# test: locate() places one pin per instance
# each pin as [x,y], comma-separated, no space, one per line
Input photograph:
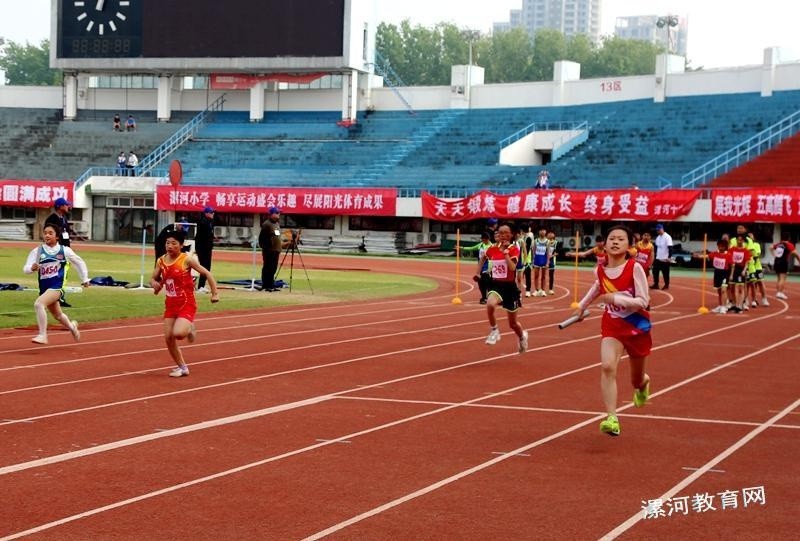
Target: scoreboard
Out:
[179,34]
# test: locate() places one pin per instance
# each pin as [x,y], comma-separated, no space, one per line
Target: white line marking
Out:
[503,453]
[333,441]
[628,524]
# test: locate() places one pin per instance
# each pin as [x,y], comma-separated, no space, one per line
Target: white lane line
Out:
[435,486]
[160,434]
[628,524]
[505,453]
[696,469]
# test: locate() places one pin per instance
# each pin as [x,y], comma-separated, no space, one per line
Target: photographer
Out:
[269,240]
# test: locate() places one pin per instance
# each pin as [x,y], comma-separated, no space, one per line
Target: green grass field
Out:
[108,303]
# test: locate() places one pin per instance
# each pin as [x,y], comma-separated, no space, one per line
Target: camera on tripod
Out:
[295,239]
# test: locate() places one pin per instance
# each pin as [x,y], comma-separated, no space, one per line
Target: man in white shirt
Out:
[663,243]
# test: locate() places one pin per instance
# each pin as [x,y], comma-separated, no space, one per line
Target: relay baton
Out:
[572,319]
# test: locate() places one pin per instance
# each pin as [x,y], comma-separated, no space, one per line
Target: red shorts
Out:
[635,342]
[180,307]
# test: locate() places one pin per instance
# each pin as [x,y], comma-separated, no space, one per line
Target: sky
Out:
[721,32]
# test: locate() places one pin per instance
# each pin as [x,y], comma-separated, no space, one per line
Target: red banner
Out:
[779,205]
[567,204]
[238,81]
[351,202]
[33,193]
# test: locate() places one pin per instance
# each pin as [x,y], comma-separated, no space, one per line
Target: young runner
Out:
[173,273]
[622,286]
[503,291]
[721,263]
[783,252]
[49,261]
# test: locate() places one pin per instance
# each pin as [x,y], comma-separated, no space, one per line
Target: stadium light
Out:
[669,22]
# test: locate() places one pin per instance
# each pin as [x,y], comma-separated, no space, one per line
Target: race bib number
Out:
[277,232]
[169,288]
[719,263]
[49,270]
[738,257]
[64,235]
[499,270]
[779,251]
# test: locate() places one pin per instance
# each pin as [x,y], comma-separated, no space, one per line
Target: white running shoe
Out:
[494,337]
[718,309]
[781,295]
[76,334]
[765,302]
[754,304]
[723,310]
[551,292]
[523,342]
[39,339]
[745,308]
[179,372]
[527,293]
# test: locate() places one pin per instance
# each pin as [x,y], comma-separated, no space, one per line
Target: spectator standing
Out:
[133,161]
[117,122]
[122,164]
[130,124]
[663,244]
[543,180]
[60,219]
[204,244]
[783,252]
[269,240]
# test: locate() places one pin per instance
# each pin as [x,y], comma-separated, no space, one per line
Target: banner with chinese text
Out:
[779,205]
[33,193]
[566,204]
[349,201]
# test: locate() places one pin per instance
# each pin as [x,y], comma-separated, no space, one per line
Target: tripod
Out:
[291,248]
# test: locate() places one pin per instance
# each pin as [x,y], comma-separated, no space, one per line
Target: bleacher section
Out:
[37,144]
[650,144]
[777,167]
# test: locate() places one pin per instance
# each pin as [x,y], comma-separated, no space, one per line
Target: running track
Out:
[393,420]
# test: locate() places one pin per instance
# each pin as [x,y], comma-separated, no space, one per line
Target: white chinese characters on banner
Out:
[378,201]
[33,194]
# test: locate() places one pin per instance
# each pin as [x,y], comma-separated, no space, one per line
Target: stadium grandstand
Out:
[353,157]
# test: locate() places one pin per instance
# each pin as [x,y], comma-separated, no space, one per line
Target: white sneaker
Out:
[723,310]
[745,308]
[523,342]
[179,372]
[76,334]
[203,289]
[551,292]
[718,309]
[754,304]
[765,302]
[39,339]
[541,293]
[192,336]
[781,295]
[494,337]
[527,293]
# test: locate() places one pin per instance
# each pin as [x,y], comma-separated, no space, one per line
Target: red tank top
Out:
[177,276]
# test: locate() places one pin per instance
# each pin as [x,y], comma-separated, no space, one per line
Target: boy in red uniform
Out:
[503,291]
[644,253]
[173,273]
[598,251]
[721,262]
[622,286]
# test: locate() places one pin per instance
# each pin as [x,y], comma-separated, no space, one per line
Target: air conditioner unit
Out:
[243,232]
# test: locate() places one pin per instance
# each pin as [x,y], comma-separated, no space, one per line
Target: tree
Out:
[509,58]
[28,64]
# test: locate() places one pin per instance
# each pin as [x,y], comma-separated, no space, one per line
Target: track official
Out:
[269,240]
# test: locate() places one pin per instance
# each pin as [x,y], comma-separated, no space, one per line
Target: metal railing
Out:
[743,152]
[543,126]
[390,77]
[148,164]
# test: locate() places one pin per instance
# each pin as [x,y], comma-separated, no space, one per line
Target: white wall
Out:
[32,97]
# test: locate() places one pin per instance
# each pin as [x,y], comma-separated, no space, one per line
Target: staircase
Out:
[779,166]
[401,151]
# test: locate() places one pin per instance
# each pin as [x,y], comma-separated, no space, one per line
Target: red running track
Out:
[393,420]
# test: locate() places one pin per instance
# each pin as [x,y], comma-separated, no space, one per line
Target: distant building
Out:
[646,28]
[571,17]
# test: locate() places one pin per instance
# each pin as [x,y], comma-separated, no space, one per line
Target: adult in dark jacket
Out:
[60,219]
[161,239]
[204,242]
[271,245]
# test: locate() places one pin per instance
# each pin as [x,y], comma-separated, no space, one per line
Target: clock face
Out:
[100,28]
[101,17]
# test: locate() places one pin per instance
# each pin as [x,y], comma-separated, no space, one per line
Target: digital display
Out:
[200,28]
